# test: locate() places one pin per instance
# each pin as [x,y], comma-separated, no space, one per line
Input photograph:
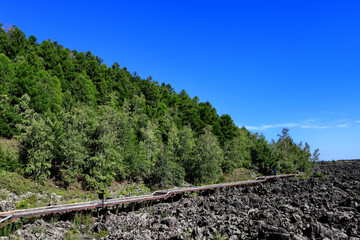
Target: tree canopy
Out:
[78,120]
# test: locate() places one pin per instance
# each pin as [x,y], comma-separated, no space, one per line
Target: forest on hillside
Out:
[74,119]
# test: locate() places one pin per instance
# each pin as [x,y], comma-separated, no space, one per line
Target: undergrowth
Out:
[303,176]
[101,234]
[131,189]
[318,175]
[15,183]
[39,195]
[237,175]
[10,228]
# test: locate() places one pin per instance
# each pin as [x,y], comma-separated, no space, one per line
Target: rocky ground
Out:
[317,208]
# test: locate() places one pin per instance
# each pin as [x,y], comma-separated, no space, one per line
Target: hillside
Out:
[73,119]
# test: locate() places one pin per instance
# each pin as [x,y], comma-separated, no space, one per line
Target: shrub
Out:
[22,204]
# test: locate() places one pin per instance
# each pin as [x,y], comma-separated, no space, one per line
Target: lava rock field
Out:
[326,206]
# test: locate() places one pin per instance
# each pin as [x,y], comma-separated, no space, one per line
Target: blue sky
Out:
[268,64]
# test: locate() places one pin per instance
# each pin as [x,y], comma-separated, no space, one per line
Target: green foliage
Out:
[9,228]
[149,148]
[291,157]
[228,129]
[23,204]
[208,157]
[37,230]
[13,182]
[238,174]
[8,117]
[304,176]
[48,94]
[219,236]
[36,141]
[195,194]
[79,121]
[318,175]
[83,219]
[9,159]
[263,158]
[83,89]
[237,152]
[101,234]
[132,189]
[71,235]
[185,152]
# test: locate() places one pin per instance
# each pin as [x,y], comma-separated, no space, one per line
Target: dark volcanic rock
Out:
[315,208]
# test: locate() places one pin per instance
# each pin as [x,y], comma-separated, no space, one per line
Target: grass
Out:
[37,230]
[34,195]
[17,184]
[219,236]
[238,174]
[10,228]
[80,219]
[3,194]
[14,182]
[318,175]
[133,189]
[71,235]
[304,176]
[101,234]
[83,219]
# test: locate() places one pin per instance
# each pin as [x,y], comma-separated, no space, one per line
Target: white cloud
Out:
[286,125]
[344,125]
[264,127]
[314,126]
[343,120]
[334,113]
[310,120]
[311,123]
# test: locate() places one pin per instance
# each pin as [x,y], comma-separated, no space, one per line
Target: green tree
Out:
[237,152]
[168,168]
[48,95]
[283,149]
[17,41]
[106,159]
[303,162]
[291,156]
[186,152]
[6,73]
[36,142]
[47,51]
[208,157]
[8,118]
[9,160]
[314,159]
[149,147]
[262,157]
[84,90]
[77,126]
[228,129]
[5,47]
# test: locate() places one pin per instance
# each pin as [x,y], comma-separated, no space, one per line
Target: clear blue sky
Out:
[268,64]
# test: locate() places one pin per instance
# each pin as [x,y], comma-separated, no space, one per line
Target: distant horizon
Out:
[268,65]
[339,160]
